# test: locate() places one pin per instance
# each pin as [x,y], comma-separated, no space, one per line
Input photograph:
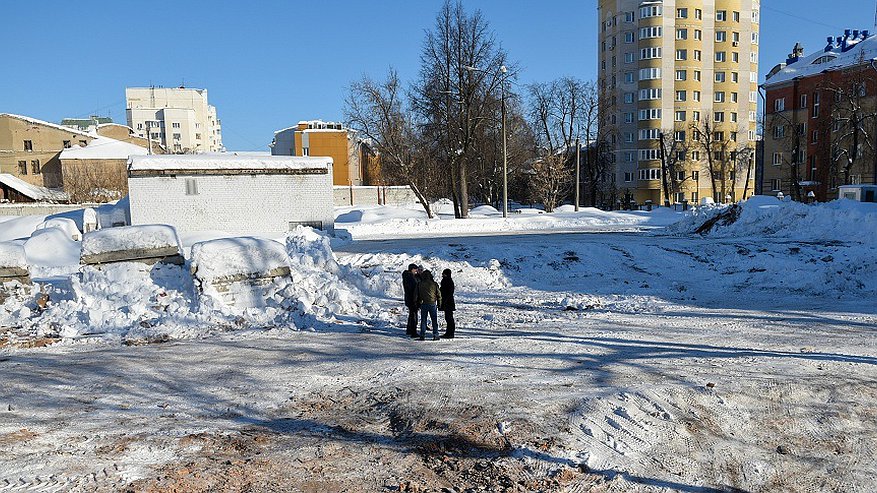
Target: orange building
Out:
[354,162]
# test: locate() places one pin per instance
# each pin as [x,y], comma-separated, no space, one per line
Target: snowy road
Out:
[586,362]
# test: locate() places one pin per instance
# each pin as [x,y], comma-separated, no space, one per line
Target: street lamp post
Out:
[505,155]
[578,172]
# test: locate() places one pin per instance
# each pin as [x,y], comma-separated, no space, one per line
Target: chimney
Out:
[830,45]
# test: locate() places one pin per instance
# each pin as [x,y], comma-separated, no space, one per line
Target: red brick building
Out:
[820,122]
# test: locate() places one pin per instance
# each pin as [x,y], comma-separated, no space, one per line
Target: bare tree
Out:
[459,87]
[377,109]
[550,180]
[674,150]
[854,120]
[789,136]
[721,153]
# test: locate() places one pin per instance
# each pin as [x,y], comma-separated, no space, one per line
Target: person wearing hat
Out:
[409,287]
[448,306]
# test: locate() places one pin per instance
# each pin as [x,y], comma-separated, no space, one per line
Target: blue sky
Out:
[269,64]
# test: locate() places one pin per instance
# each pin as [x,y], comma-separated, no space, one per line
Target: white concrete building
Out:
[236,194]
[179,118]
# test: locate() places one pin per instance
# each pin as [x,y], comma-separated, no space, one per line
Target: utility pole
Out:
[148,138]
[578,171]
[505,154]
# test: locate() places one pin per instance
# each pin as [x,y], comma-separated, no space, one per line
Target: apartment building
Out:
[179,118]
[354,162]
[679,94]
[820,113]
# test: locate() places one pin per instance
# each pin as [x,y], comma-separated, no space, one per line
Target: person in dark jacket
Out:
[429,297]
[448,306]
[409,286]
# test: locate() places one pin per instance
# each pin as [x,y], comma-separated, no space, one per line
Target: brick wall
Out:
[240,204]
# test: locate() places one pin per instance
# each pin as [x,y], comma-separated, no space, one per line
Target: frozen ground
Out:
[585,362]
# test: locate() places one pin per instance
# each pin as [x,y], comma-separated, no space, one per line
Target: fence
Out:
[362,195]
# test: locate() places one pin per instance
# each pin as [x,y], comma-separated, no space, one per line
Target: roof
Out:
[228,161]
[832,57]
[35,121]
[103,148]
[34,192]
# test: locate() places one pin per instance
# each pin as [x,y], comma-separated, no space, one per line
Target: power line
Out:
[796,16]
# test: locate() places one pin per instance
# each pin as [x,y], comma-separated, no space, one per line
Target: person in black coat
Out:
[448,305]
[409,286]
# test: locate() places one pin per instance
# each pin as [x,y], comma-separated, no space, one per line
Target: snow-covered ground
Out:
[620,357]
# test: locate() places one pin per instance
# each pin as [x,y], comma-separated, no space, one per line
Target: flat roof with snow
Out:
[227,164]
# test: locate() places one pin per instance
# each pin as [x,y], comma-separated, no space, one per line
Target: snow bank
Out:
[65,224]
[839,220]
[160,239]
[232,257]
[410,221]
[12,256]
[51,247]
[322,287]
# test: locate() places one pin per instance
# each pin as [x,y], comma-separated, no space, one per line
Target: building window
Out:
[775,185]
[22,167]
[197,136]
[682,54]
[681,75]
[720,56]
[177,136]
[682,13]
[35,166]
[721,15]
[305,151]
[777,159]
[682,34]
[175,124]
[67,144]
[720,77]
[628,177]
[721,36]
[680,116]
[28,145]
[191,186]
[681,96]
[698,34]
[83,143]
[650,174]
[779,104]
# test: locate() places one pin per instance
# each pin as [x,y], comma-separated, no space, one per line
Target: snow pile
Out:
[52,248]
[245,277]
[123,301]
[158,237]
[410,221]
[65,224]
[322,287]
[840,220]
[12,256]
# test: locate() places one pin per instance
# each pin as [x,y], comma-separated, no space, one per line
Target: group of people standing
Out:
[423,294]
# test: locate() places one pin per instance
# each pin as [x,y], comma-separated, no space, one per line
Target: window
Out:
[698,14]
[694,196]
[777,159]
[22,167]
[682,13]
[680,176]
[629,17]
[305,151]
[679,136]
[720,77]
[721,15]
[628,77]
[695,175]
[649,134]
[695,116]
[175,124]
[697,75]
[177,136]
[698,34]
[628,177]
[650,53]
[628,118]
[736,16]
[651,32]
[28,145]
[682,34]
[803,103]
[650,11]
[35,166]
[83,143]
[650,174]
[720,56]
[779,104]
[191,186]
[681,96]
[649,74]
[649,94]
[721,36]
[650,114]
[695,156]
[682,54]
[719,97]
[695,95]
[779,131]
[197,136]
[680,116]
[719,117]
[698,55]
[629,58]
[67,144]
[629,37]
[678,197]
[815,105]
[155,135]
[681,75]
[814,137]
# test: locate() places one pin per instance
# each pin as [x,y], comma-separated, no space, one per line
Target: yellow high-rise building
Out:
[668,69]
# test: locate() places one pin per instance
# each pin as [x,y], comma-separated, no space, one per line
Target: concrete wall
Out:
[362,196]
[239,204]
[40,209]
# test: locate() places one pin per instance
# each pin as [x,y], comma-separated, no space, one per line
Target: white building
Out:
[177,117]
[236,194]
